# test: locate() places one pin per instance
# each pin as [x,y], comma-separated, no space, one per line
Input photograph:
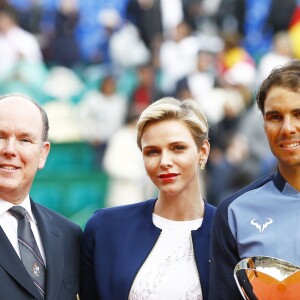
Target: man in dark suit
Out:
[24,148]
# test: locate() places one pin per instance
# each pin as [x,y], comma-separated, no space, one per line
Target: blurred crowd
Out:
[95,65]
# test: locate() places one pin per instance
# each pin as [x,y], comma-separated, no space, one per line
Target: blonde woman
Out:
[159,248]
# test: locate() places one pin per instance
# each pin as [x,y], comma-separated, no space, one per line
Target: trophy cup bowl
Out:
[267,278]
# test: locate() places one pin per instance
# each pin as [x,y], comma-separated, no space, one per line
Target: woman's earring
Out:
[202,166]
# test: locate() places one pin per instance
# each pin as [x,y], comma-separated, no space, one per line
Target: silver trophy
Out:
[267,278]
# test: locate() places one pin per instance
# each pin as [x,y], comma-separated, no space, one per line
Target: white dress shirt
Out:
[9,225]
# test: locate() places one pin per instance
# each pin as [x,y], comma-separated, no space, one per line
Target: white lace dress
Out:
[169,272]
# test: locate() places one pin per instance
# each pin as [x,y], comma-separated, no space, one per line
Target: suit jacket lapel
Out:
[52,240]
[10,261]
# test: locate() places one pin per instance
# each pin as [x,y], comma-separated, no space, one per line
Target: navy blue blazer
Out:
[117,241]
[61,241]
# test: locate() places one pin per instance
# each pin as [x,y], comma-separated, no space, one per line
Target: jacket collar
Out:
[202,231]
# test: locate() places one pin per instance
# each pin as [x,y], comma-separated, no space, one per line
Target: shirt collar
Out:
[279,181]
[5,205]
[283,186]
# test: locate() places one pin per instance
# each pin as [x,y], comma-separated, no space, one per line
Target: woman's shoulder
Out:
[210,207]
[122,212]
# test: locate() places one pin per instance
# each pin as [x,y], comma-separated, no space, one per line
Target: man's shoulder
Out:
[57,218]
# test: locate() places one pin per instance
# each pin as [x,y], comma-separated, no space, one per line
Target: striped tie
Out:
[30,254]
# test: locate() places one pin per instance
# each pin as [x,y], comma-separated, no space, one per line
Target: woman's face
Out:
[171,156]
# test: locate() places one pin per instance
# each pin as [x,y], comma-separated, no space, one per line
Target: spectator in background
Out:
[280,53]
[123,162]
[29,14]
[257,33]
[110,21]
[63,47]
[228,167]
[280,14]
[147,16]
[128,37]
[100,114]
[235,63]
[146,89]
[236,68]
[172,15]
[62,87]
[260,156]
[201,81]
[16,44]
[230,16]
[200,15]
[21,62]
[177,57]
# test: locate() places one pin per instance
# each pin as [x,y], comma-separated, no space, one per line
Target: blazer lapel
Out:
[52,240]
[10,261]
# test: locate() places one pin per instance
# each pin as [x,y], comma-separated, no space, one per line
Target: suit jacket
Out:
[117,241]
[61,242]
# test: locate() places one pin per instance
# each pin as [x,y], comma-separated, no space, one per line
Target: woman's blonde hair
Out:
[169,108]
